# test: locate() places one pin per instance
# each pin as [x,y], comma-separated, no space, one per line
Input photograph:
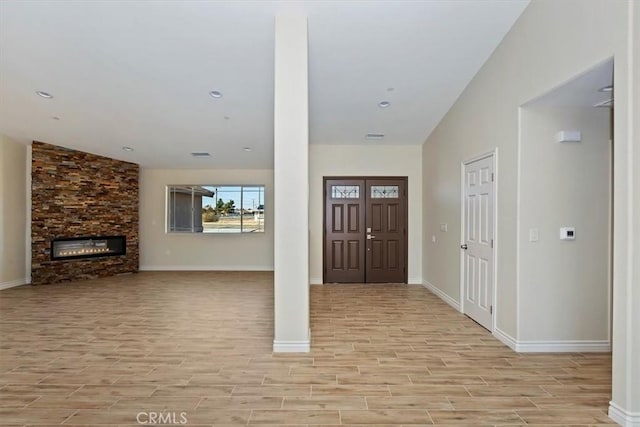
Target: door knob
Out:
[369,237]
[464,246]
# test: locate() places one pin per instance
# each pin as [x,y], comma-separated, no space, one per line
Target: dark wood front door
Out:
[365,236]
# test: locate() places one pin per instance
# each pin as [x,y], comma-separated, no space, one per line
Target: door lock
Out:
[464,246]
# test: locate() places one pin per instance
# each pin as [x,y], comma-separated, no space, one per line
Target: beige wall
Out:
[564,288]
[365,160]
[162,251]
[552,42]
[13,214]
[633,336]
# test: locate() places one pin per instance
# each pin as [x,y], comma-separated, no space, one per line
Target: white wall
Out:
[365,160]
[564,285]
[625,403]
[13,205]
[203,251]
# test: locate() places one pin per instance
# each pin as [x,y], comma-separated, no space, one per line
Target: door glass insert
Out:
[384,191]
[345,191]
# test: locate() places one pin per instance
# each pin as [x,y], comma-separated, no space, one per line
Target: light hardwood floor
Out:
[101,352]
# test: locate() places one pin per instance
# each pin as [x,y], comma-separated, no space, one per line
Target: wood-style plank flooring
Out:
[102,352]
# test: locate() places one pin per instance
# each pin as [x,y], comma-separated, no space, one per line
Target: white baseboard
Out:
[443,296]
[568,346]
[13,283]
[505,338]
[291,346]
[205,268]
[551,346]
[622,417]
[414,281]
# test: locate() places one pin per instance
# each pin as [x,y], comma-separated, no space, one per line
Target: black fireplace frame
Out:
[122,241]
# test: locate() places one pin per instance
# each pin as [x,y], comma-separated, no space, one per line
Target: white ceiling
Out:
[138,73]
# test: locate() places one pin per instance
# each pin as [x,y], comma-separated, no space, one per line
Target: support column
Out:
[624,407]
[291,186]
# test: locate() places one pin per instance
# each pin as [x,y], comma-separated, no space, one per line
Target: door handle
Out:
[369,237]
[464,246]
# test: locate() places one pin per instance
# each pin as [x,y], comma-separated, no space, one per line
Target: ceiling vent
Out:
[606,104]
[200,154]
[374,136]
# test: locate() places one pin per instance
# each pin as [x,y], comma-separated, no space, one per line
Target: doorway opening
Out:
[365,230]
[565,219]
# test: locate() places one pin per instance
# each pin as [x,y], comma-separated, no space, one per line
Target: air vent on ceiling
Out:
[607,103]
[200,154]
[374,136]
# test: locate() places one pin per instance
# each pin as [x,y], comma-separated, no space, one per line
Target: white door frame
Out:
[494,154]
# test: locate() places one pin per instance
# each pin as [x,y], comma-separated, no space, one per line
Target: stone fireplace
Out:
[84,215]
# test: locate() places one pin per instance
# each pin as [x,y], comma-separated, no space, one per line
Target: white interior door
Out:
[477,244]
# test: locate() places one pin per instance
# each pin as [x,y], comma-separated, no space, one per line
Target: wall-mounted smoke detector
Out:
[568,136]
[374,136]
[200,154]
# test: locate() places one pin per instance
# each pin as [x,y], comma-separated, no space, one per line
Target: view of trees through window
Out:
[215,208]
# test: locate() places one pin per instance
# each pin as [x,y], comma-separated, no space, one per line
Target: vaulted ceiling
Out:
[139,73]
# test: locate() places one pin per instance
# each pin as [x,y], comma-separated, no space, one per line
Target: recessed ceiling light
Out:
[200,154]
[384,104]
[375,136]
[606,89]
[46,95]
[215,94]
[247,149]
[125,148]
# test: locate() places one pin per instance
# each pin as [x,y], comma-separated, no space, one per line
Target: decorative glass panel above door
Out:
[384,191]
[345,191]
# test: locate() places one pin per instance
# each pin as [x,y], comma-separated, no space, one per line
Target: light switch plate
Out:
[533,235]
[443,227]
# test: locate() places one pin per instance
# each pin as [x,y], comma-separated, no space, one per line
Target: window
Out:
[345,191]
[215,208]
[384,191]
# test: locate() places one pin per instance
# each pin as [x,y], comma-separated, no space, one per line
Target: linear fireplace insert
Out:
[88,247]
